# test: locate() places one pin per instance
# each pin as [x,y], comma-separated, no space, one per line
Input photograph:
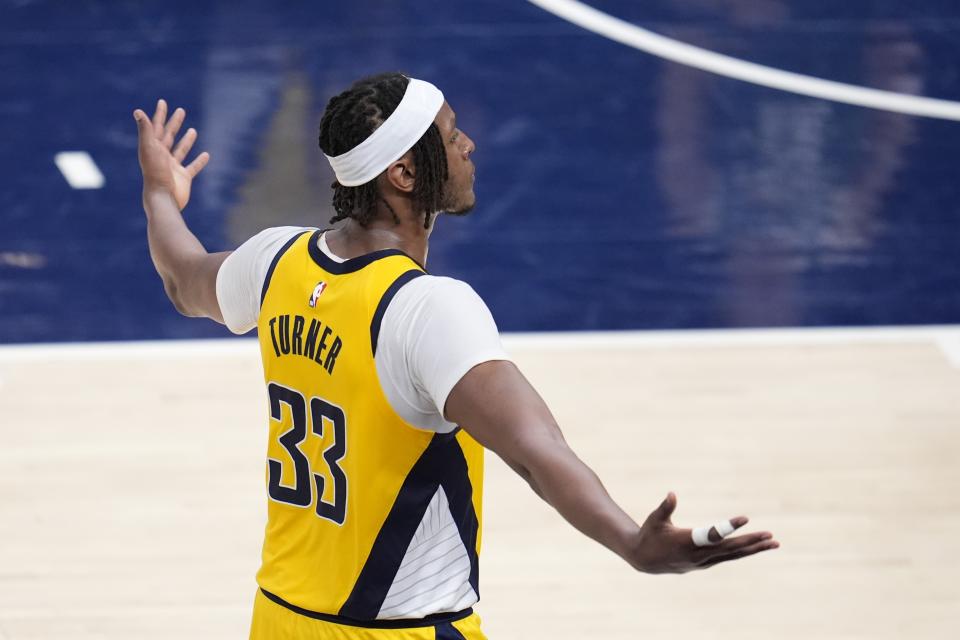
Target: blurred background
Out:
[616,190]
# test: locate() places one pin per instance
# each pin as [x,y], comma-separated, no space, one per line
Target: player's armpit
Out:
[496,405]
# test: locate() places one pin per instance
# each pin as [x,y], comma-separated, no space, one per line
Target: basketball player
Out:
[385,384]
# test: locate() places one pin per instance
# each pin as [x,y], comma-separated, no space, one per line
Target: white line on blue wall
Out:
[681,53]
[79,169]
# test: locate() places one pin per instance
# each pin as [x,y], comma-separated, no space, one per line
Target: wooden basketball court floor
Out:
[131,496]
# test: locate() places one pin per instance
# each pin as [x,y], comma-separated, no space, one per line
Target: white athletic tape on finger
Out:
[399,132]
[701,536]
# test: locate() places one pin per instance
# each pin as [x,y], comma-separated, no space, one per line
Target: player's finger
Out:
[144,126]
[716,536]
[732,545]
[173,127]
[753,549]
[186,143]
[198,164]
[666,508]
[159,117]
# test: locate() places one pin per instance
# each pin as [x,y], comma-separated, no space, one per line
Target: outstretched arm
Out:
[502,411]
[189,273]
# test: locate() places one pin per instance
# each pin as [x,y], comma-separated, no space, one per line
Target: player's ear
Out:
[402,174]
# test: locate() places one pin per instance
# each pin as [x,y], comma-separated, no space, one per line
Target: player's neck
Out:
[383,232]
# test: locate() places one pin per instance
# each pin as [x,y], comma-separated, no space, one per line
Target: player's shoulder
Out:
[248,264]
[433,287]
[275,235]
[256,254]
[430,295]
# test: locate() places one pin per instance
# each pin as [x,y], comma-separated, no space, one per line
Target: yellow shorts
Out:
[273,621]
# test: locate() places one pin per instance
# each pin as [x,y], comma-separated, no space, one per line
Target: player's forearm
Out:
[555,472]
[173,247]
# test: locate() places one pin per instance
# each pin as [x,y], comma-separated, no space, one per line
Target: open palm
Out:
[161,162]
[663,548]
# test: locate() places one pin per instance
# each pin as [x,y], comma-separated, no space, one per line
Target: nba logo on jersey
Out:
[317,290]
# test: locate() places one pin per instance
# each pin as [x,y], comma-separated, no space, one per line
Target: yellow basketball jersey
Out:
[348,480]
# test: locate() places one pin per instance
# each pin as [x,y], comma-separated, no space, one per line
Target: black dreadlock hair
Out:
[350,118]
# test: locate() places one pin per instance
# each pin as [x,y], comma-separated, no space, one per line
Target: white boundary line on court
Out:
[946,337]
[735,337]
[633,36]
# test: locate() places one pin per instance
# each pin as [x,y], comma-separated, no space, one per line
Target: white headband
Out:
[397,135]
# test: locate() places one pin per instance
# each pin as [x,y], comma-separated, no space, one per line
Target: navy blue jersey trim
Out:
[403,623]
[330,265]
[273,264]
[456,484]
[391,291]
[446,631]
[441,464]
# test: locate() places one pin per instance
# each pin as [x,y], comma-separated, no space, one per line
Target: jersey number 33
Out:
[301,493]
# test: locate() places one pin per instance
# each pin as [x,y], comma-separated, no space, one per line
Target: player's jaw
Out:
[459,197]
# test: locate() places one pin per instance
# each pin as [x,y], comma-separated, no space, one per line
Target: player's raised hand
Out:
[663,548]
[161,162]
